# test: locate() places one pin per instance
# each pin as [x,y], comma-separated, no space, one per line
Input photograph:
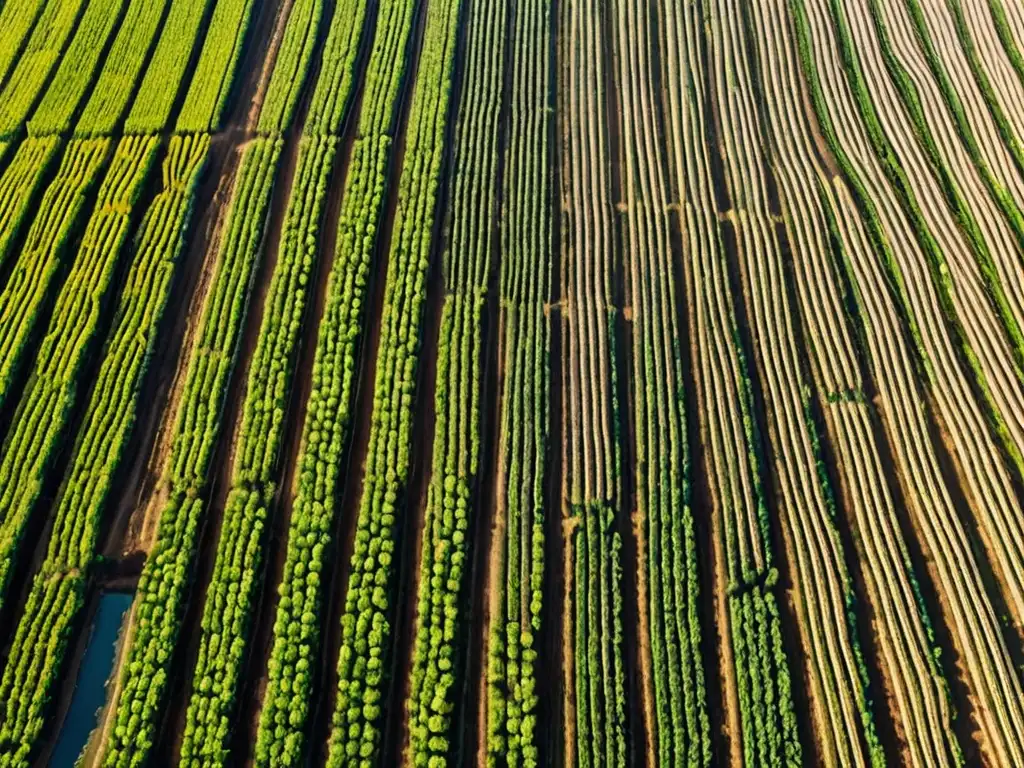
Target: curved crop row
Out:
[516,583]
[1010,30]
[824,596]
[37,267]
[74,75]
[595,731]
[365,623]
[676,702]
[36,61]
[893,288]
[902,625]
[451,496]
[762,690]
[964,308]
[19,184]
[43,632]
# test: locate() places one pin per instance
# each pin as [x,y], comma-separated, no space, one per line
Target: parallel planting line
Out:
[452,495]
[595,709]
[284,717]
[517,581]
[824,591]
[890,291]
[43,49]
[363,663]
[680,729]
[902,626]
[963,304]
[761,678]
[233,592]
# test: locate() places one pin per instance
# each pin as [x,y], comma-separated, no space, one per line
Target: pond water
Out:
[90,687]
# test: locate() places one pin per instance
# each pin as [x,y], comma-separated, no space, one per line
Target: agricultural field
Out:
[512,383]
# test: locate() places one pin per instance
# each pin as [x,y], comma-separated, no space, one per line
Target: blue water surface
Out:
[90,687]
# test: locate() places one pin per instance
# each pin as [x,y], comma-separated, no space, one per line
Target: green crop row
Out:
[36,61]
[1010,43]
[596,551]
[116,83]
[41,640]
[441,612]
[233,590]
[74,75]
[37,430]
[159,244]
[330,103]
[38,266]
[18,187]
[283,719]
[213,78]
[290,67]
[16,22]
[152,108]
[525,287]
[230,597]
[365,625]
[768,720]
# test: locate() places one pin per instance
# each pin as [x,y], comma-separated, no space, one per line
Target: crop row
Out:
[19,184]
[291,65]
[297,623]
[907,108]
[902,627]
[596,731]
[869,218]
[41,640]
[451,496]
[211,84]
[825,600]
[212,362]
[668,571]
[199,422]
[365,623]
[73,77]
[16,22]
[763,692]
[1005,270]
[116,83]
[516,586]
[35,63]
[363,662]
[1006,25]
[45,406]
[36,269]
[168,63]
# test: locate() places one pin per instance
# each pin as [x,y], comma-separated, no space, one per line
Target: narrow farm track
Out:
[867,259]
[517,570]
[673,686]
[595,713]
